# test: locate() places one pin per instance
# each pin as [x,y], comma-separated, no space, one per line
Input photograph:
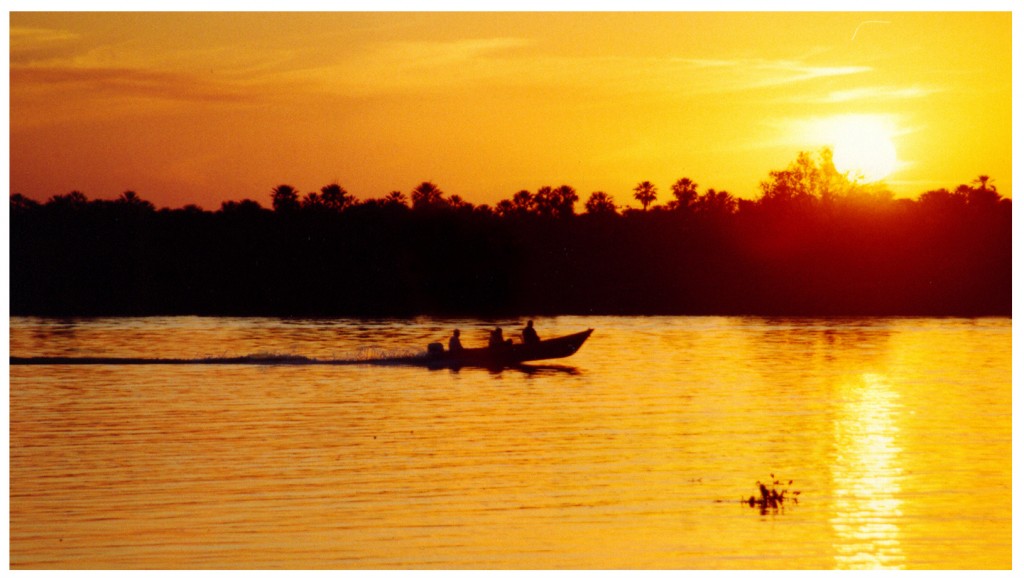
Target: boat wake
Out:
[372,357]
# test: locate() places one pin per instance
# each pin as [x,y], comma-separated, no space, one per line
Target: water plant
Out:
[771,498]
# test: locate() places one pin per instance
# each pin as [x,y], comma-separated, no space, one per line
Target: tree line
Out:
[814,243]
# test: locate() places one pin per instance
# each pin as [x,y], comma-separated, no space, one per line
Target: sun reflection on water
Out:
[867,475]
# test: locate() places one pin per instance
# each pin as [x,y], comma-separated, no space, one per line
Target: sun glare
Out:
[861,145]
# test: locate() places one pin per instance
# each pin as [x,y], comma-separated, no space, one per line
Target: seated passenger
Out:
[529,334]
[497,340]
[454,344]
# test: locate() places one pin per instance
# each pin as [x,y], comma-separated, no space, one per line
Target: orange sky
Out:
[206,107]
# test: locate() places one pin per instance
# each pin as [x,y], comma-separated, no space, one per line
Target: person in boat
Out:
[529,334]
[498,340]
[454,343]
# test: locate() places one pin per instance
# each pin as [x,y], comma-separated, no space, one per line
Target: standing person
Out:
[454,343]
[529,334]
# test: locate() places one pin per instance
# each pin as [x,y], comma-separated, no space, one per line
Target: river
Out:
[634,453]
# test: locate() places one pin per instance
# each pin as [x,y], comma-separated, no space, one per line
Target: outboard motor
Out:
[435,349]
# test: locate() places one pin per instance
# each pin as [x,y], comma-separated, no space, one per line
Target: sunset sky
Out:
[206,107]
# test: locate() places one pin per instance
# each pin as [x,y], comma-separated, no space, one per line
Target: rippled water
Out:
[633,453]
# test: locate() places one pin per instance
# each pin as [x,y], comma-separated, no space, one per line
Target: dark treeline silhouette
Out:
[814,243]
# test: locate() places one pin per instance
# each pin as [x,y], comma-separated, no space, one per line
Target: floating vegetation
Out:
[770,496]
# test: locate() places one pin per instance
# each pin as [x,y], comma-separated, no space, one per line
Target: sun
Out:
[868,155]
[862,145]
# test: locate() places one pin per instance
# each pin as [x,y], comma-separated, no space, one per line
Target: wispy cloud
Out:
[26,37]
[741,74]
[420,54]
[410,66]
[112,82]
[33,45]
[869,94]
[513,62]
[45,70]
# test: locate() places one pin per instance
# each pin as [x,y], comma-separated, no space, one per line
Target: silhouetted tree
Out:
[285,198]
[600,203]
[715,202]
[942,201]
[311,201]
[984,196]
[457,203]
[524,202]
[395,198]
[70,201]
[22,203]
[129,199]
[504,208]
[796,185]
[245,206]
[426,196]
[685,193]
[810,181]
[645,193]
[335,197]
[555,202]
[563,201]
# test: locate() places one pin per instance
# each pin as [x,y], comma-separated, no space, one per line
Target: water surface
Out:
[634,453]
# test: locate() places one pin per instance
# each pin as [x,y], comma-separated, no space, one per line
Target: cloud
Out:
[98,82]
[813,131]
[124,71]
[416,66]
[424,66]
[26,37]
[718,75]
[418,54]
[869,94]
[40,44]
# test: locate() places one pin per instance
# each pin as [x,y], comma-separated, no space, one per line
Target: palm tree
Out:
[504,208]
[713,202]
[456,202]
[543,201]
[285,198]
[73,199]
[312,200]
[395,198]
[335,197]
[646,193]
[685,193]
[524,202]
[600,203]
[427,195]
[563,201]
[130,199]
[983,195]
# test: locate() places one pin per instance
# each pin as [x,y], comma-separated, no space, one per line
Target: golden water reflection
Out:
[897,431]
[867,475]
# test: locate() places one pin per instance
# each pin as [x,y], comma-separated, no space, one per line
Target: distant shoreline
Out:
[814,244]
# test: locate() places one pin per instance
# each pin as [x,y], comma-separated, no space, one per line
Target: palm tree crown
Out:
[646,193]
